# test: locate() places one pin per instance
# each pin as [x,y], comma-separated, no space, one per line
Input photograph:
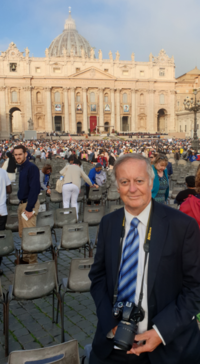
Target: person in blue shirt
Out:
[160,190]
[169,169]
[192,157]
[92,176]
[29,189]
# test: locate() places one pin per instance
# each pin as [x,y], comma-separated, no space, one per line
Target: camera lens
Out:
[125,335]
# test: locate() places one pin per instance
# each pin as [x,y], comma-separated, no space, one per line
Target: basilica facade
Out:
[73,90]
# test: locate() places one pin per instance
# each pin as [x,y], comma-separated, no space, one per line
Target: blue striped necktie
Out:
[129,264]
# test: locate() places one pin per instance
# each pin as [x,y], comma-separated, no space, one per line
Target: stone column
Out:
[101,118]
[85,121]
[28,101]
[118,110]
[150,113]
[112,108]
[73,115]
[133,114]
[66,127]
[5,123]
[49,127]
[136,112]
[171,125]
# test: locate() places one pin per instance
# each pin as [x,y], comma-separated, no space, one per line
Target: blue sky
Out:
[139,26]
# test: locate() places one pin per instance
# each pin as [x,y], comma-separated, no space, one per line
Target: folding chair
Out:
[66,353]
[75,236]
[78,280]
[93,214]
[37,240]
[46,218]
[65,217]
[6,243]
[12,222]
[95,194]
[33,281]
[42,197]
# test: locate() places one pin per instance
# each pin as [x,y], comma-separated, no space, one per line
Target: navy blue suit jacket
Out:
[173,284]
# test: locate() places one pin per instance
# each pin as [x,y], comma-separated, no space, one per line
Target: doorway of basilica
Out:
[161,121]
[79,127]
[15,120]
[58,123]
[93,123]
[125,126]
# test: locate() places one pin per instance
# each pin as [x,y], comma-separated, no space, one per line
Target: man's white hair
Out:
[138,157]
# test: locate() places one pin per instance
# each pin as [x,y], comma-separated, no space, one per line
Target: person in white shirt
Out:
[5,188]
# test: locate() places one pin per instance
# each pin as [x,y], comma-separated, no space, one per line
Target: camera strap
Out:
[146,248]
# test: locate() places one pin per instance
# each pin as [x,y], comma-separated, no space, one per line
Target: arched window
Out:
[106,98]
[78,97]
[14,97]
[38,97]
[125,98]
[142,99]
[57,96]
[162,99]
[92,97]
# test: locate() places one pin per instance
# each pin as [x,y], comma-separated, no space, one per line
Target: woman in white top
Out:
[72,183]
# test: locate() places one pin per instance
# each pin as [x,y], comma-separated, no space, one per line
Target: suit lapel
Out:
[158,239]
[115,242]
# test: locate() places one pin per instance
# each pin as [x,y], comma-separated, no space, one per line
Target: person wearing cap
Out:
[190,190]
[92,176]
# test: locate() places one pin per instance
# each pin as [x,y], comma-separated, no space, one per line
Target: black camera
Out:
[130,315]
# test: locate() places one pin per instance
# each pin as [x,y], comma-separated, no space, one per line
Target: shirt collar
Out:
[23,165]
[142,217]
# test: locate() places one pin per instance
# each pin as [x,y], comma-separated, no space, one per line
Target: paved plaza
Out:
[30,321]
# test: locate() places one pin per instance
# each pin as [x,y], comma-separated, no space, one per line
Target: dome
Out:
[69,39]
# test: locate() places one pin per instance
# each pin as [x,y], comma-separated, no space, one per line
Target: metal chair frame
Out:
[65,283]
[9,296]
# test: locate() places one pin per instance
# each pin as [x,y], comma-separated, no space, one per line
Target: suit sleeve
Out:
[177,315]
[99,290]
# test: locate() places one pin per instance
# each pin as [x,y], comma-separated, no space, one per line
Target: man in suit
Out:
[171,292]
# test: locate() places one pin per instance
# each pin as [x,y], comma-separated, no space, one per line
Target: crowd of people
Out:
[102,151]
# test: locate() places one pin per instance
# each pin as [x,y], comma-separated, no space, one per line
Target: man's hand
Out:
[28,214]
[152,341]
[49,191]
[114,330]
[95,186]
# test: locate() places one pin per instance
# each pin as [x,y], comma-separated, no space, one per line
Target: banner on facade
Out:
[107,107]
[93,108]
[79,107]
[126,108]
[58,107]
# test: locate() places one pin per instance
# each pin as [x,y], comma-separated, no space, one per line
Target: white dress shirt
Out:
[142,227]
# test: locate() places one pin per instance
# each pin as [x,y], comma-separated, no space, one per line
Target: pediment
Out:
[93,73]
[12,52]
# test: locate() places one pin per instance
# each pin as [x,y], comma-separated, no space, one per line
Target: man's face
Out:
[20,156]
[133,185]
[98,169]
